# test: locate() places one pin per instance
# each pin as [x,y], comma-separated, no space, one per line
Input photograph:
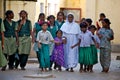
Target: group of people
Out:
[61,42]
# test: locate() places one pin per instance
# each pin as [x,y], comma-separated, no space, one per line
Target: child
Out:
[53,29]
[44,37]
[92,28]
[36,29]
[85,53]
[58,52]
[106,35]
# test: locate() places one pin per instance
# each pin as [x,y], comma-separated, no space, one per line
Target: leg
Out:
[81,68]
[4,68]
[11,61]
[23,60]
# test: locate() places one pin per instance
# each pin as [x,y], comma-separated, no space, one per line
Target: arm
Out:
[2,33]
[77,44]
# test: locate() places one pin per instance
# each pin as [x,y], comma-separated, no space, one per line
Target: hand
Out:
[72,47]
[39,45]
[2,47]
[17,43]
[97,45]
[22,22]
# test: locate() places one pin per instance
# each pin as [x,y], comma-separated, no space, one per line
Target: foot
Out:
[22,68]
[81,70]
[67,69]
[71,70]
[11,68]
[3,68]
[50,69]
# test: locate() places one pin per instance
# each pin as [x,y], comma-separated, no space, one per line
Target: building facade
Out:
[88,9]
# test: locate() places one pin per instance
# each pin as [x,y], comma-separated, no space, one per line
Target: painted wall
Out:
[17,6]
[1,9]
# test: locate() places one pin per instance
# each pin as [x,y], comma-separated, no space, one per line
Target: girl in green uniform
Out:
[3,61]
[10,38]
[24,32]
[60,20]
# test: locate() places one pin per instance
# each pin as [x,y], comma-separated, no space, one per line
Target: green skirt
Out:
[85,56]
[3,61]
[10,46]
[24,45]
[94,54]
[44,56]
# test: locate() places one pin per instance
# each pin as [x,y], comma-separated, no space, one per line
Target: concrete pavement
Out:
[32,69]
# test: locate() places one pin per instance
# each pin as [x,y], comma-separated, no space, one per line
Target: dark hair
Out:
[24,12]
[106,20]
[51,16]
[8,12]
[58,31]
[89,21]
[44,23]
[41,14]
[60,12]
[102,14]
[83,25]
[92,27]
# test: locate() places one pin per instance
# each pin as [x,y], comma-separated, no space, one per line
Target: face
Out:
[92,30]
[42,18]
[23,15]
[59,34]
[60,16]
[70,18]
[11,15]
[102,17]
[84,29]
[44,26]
[52,20]
[104,24]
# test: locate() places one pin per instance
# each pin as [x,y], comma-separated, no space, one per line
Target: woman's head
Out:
[51,19]
[41,17]
[44,26]
[106,23]
[70,17]
[83,26]
[59,33]
[102,16]
[89,21]
[60,16]
[9,14]
[23,14]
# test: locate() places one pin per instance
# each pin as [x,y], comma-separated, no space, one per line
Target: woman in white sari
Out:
[70,31]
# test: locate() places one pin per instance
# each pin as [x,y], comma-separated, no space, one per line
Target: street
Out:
[32,69]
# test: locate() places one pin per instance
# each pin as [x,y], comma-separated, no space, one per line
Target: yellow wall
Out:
[70,3]
[111,9]
[17,6]
[90,9]
[1,9]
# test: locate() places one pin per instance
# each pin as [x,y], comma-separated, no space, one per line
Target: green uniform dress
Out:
[3,61]
[58,24]
[10,41]
[10,38]
[24,42]
[35,48]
